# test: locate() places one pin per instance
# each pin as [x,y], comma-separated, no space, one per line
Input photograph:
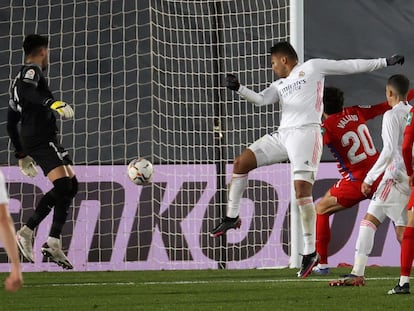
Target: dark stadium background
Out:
[121,125]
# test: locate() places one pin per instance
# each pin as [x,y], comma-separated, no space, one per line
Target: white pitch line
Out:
[194,282]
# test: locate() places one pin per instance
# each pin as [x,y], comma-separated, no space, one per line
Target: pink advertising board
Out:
[116,225]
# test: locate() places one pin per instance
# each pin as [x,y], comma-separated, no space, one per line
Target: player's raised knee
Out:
[244,163]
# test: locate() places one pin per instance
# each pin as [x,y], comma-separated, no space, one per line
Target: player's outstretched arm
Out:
[351,66]
[370,112]
[36,97]
[63,109]
[13,119]
[395,59]
[267,97]
[31,93]
[26,164]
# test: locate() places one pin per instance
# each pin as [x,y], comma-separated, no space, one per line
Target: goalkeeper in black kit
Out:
[33,105]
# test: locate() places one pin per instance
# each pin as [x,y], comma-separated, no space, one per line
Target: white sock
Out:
[323,266]
[404,279]
[308,216]
[237,186]
[364,244]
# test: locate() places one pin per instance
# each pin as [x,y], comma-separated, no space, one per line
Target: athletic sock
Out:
[407,254]
[404,279]
[364,244]
[63,188]
[237,186]
[323,236]
[42,210]
[52,241]
[308,217]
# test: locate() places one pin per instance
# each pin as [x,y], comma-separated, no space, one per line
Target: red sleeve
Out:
[407,146]
[370,112]
[410,95]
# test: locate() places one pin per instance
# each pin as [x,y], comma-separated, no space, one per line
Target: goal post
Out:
[297,36]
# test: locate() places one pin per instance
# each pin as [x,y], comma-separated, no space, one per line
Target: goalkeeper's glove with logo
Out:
[28,166]
[63,109]
[232,82]
[395,59]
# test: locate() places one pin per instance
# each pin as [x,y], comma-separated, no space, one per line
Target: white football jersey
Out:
[300,94]
[390,160]
[4,198]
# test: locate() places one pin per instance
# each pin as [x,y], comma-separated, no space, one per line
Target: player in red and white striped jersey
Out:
[347,136]
[407,244]
[391,197]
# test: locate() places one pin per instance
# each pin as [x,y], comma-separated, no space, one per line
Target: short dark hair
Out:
[399,83]
[32,44]
[284,48]
[333,100]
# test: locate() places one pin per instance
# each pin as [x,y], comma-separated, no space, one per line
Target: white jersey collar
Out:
[294,69]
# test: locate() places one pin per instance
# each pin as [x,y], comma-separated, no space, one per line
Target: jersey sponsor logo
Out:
[409,118]
[30,74]
[289,89]
[345,120]
[301,74]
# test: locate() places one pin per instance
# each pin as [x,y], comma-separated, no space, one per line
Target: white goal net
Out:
[146,78]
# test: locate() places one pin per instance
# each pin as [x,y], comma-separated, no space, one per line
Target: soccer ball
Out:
[140,171]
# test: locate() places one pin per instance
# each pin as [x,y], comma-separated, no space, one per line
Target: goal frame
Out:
[296,25]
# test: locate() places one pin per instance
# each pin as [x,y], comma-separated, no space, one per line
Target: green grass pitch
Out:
[202,290]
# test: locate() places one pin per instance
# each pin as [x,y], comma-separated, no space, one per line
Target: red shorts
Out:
[348,193]
[410,204]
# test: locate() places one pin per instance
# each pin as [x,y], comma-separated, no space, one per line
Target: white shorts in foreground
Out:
[302,146]
[389,201]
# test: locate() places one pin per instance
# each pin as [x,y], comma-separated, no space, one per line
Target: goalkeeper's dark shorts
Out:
[47,153]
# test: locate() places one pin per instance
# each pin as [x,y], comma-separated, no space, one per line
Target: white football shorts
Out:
[301,146]
[4,198]
[389,201]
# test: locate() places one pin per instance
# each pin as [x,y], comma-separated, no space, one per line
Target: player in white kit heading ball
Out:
[299,92]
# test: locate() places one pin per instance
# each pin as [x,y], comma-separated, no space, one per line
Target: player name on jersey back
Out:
[346,119]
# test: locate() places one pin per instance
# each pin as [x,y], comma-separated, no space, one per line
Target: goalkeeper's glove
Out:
[63,109]
[28,166]
[232,82]
[395,59]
